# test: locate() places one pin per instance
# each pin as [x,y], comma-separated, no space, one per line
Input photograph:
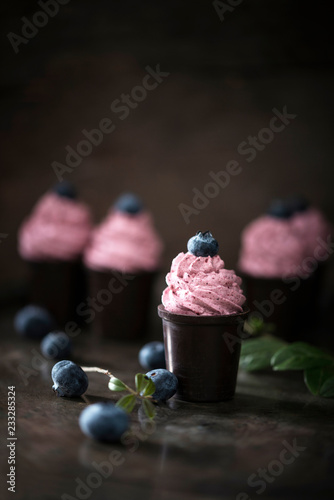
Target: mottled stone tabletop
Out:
[273,441]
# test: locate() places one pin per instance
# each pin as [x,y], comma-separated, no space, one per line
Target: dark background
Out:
[225,79]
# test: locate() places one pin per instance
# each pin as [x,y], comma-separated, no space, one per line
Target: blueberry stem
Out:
[110,375]
[98,370]
[104,372]
[86,400]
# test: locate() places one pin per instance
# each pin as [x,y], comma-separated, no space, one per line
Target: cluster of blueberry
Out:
[285,208]
[35,322]
[65,189]
[101,421]
[128,202]
[106,421]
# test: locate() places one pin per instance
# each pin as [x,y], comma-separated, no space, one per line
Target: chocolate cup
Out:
[59,286]
[203,352]
[125,301]
[293,306]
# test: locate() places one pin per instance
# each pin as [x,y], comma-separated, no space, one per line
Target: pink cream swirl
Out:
[310,226]
[124,242]
[57,229]
[202,286]
[270,248]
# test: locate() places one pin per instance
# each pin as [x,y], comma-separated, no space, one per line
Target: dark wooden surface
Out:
[193,451]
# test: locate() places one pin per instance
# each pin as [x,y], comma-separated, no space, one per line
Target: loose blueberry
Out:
[298,204]
[203,245]
[56,345]
[33,322]
[152,355]
[69,379]
[280,209]
[166,384]
[104,422]
[129,203]
[65,189]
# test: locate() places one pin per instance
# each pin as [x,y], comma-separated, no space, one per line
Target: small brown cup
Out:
[59,286]
[124,300]
[203,352]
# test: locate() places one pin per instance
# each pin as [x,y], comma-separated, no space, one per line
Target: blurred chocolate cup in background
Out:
[59,286]
[123,302]
[292,305]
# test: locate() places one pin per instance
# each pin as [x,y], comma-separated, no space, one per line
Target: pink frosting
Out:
[57,229]
[202,286]
[124,242]
[270,248]
[311,225]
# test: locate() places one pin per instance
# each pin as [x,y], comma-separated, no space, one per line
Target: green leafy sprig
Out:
[267,351]
[256,326]
[145,388]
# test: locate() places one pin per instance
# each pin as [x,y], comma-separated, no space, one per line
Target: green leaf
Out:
[263,343]
[149,389]
[254,326]
[127,402]
[287,361]
[141,381]
[257,353]
[300,356]
[145,386]
[148,408]
[327,388]
[314,378]
[259,361]
[116,385]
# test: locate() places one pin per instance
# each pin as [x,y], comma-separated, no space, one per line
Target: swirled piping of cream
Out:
[202,286]
[271,248]
[309,226]
[57,229]
[124,242]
